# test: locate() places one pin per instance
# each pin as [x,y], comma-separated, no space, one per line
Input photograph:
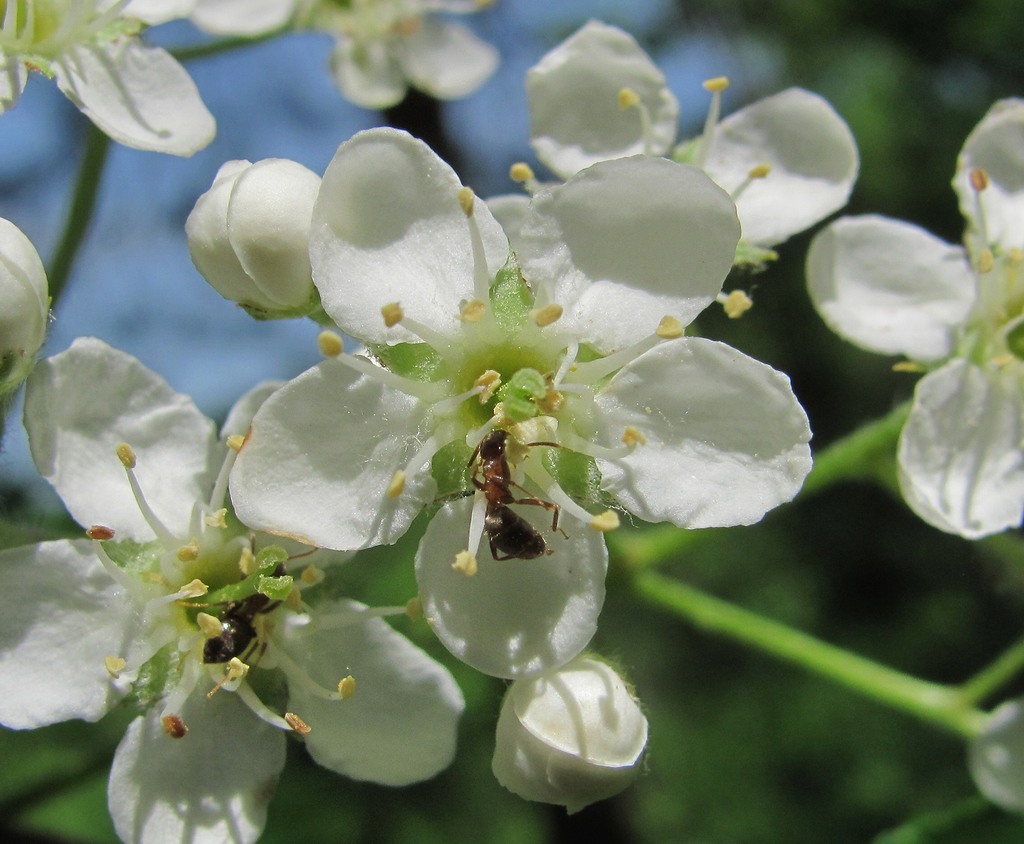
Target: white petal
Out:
[513,618]
[997,146]
[388,227]
[211,786]
[81,404]
[890,287]
[368,74]
[240,416]
[996,757]
[446,60]
[960,458]
[320,455]
[510,210]
[13,76]
[242,17]
[625,242]
[573,95]
[138,95]
[726,439]
[68,617]
[813,159]
[399,726]
[158,11]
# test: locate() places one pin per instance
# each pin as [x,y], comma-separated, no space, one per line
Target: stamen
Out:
[631,436]
[347,687]
[985,261]
[715,87]
[547,315]
[481,277]
[414,609]
[260,710]
[397,485]
[574,442]
[114,665]
[489,381]
[246,561]
[735,304]
[298,676]
[568,362]
[217,519]
[189,553]
[978,179]
[759,171]
[235,442]
[220,487]
[465,563]
[476,526]
[450,404]
[392,313]
[128,460]
[209,625]
[591,371]
[118,574]
[424,390]
[330,344]
[628,98]
[908,366]
[438,342]
[522,173]
[99,532]
[311,575]
[670,328]
[297,724]
[174,726]
[554,493]
[605,522]
[472,310]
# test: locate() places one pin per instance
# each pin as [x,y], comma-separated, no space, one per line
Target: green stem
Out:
[995,675]
[932,702]
[82,204]
[866,453]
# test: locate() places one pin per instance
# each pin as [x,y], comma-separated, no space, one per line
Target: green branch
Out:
[940,705]
[225,45]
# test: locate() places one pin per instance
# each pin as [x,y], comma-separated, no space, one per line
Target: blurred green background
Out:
[743,750]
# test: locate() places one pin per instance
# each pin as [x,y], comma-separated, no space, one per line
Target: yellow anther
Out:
[1015,255]
[209,624]
[193,589]
[174,726]
[606,521]
[297,724]
[311,575]
[466,201]
[217,519]
[999,361]
[628,98]
[236,441]
[114,665]
[716,84]
[236,669]
[669,328]
[759,171]
[986,261]
[188,553]
[392,313]
[101,532]
[552,403]
[414,609]
[490,380]
[347,687]
[907,366]
[473,310]
[978,179]
[246,562]
[293,602]
[157,578]
[736,304]
[632,436]
[521,172]
[330,344]
[465,563]
[545,316]
[397,485]
[126,455]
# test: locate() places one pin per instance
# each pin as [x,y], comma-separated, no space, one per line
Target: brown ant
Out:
[508,533]
[238,626]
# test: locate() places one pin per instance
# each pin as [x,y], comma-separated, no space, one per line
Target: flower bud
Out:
[24,304]
[996,757]
[570,737]
[249,236]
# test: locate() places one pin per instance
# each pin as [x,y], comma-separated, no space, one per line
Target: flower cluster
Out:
[956,312]
[174,604]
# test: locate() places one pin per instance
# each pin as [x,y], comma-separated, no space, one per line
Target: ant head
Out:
[492,446]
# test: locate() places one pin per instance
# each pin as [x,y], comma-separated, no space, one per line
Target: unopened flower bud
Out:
[996,757]
[24,304]
[569,737]
[249,236]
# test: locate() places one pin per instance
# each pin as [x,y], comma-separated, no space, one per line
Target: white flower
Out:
[383,46]
[24,306]
[787,161]
[249,236]
[587,354]
[176,604]
[569,737]
[995,757]
[891,287]
[140,96]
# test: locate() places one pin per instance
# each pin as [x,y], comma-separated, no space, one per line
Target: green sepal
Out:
[275,588]
[134,556]
[151,681]
[416,361]
[449,468]
[753,257]
[521,393]
[310,308]
[511,297]
[686,152]
[577,474]
[1015,341]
